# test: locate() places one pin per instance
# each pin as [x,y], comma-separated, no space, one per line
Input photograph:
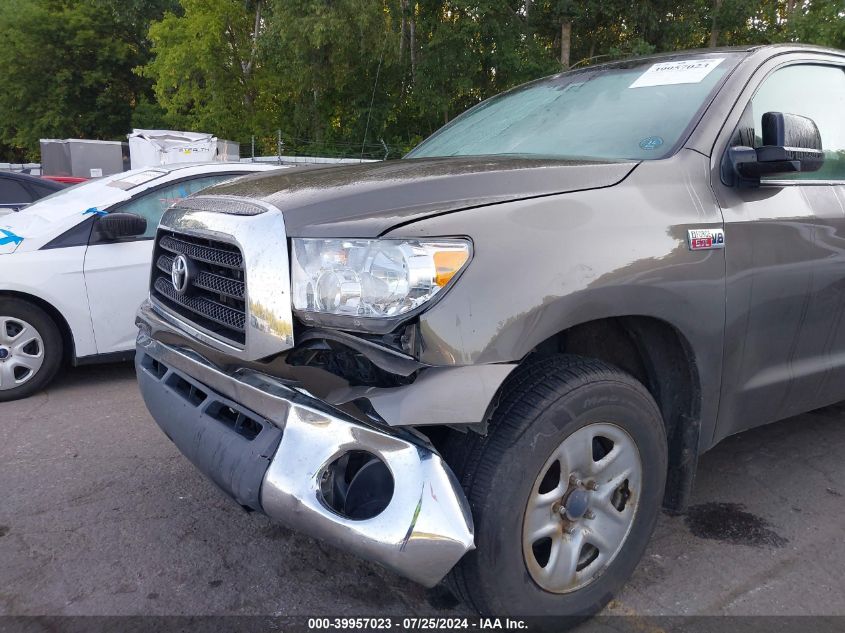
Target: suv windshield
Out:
[635,110]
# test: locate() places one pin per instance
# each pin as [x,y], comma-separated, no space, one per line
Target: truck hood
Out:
[367,200]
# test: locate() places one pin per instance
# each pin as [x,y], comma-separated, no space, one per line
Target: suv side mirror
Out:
[115,226]
[791,143]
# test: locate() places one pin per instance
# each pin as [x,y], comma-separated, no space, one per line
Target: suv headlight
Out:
[378,279]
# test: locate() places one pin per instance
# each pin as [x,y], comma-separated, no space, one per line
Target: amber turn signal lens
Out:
[447,264]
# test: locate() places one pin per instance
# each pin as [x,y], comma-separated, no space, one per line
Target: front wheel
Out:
[30,349]
[565,490]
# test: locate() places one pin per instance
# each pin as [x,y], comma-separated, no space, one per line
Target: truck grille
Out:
[215,299]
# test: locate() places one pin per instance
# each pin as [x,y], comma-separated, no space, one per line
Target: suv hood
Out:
[367,200]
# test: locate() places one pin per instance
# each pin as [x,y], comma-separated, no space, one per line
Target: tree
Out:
[67,69]
[336,66]
[341,74]
[206,66]
[819,22]
[335,76]
[469,51]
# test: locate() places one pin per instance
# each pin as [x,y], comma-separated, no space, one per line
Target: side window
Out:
[817,92]
[40,191]
[153,204]
[13,192]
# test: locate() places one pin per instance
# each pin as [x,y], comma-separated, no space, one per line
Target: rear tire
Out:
[30,349]
[561,403]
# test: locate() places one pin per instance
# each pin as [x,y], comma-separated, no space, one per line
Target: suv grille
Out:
[215,298]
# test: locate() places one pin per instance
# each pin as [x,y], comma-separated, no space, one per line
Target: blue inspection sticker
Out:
[94,211]
[7,237]
[651,142]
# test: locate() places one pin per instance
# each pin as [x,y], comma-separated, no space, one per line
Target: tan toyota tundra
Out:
[495,360]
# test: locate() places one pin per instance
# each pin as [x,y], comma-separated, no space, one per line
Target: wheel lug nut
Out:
[589,514]
[574,480]
[592,485]
[570,529]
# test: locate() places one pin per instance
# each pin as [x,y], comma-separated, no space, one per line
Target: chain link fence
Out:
[300,150]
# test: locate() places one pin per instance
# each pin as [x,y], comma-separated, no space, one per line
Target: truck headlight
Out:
[381,278]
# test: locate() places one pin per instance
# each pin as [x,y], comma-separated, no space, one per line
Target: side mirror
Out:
[115,226]
[791,143]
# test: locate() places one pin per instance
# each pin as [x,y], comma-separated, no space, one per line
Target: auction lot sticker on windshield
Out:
[685,71]
[137,179]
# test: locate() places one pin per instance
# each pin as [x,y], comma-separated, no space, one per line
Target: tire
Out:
[31,349]
[559,401]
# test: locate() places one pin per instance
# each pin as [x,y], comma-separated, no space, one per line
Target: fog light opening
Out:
[357,485]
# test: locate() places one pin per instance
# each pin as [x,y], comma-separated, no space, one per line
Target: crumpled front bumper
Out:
[268,445]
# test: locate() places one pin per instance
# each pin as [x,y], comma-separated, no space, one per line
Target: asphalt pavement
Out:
[101,515]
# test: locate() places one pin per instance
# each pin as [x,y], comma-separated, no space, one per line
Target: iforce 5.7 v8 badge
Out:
[705,239]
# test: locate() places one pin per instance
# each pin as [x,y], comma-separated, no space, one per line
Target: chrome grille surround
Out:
[265,288]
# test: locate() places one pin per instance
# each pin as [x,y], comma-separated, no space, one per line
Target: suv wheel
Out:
[30,349]
[565,489]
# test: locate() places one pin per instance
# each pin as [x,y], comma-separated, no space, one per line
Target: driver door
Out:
[785,260]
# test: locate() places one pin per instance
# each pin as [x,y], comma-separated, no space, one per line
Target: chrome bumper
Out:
[422,532]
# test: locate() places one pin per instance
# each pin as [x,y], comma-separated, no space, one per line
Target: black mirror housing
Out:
[790,130]
[115,226]
[791,143]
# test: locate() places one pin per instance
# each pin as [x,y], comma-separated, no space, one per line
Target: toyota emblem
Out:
[179,274]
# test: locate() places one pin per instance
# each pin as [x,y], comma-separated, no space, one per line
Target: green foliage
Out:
[469,51]
[67,69]
[820,23]
[324,58]
[206,66]
[333,76]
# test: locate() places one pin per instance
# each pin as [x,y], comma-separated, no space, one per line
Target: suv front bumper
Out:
[268,445]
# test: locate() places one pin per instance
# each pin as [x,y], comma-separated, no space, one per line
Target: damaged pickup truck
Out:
[496,359]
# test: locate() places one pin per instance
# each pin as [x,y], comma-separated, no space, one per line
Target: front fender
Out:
[544,265]
[54,277]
